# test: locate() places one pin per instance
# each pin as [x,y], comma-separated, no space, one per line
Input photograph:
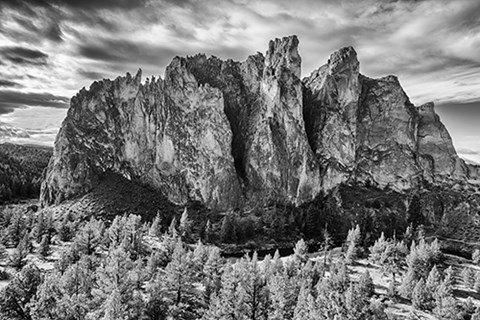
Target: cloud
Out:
[8,83]
[22,55]
[11,100]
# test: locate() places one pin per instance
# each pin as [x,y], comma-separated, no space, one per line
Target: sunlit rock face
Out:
[229,134]
[330,109]
[435,144]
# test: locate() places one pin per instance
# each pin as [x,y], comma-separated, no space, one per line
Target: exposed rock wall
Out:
[229,134]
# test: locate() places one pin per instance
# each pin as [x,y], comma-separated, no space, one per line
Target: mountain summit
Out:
[227,134]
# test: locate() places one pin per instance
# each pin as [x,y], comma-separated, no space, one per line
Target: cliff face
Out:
[229,134]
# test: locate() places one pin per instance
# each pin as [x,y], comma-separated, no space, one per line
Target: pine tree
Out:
[353,238]
[156,227]
[365,285]
[304,308]
[391,291]
[3,252]
[419,296]
[172,229]
[178,282]
[185,224]
[209,234]
[277,292]
[228,232]
[39,228]
[15,297]
[476,256]
[212,270]
[476,285]
[44,247]
[432,286]
[408,284]
[300,251]
[15,229]
[467,277]
[446,309]
[89,237]
[226,306]
[252,289]
[63,229]
[377,250]
[117,278]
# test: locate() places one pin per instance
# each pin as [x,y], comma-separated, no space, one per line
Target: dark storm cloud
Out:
[114,50]
[10,100]
[22,55]
[91,75]
[9,84]
[35,21]
[83,4]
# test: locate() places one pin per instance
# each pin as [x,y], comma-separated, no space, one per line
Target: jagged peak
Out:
[284,52]
[342,56]
[427,107]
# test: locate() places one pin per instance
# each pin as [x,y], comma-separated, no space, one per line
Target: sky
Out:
[50,49]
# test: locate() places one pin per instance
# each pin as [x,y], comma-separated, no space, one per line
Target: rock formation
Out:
[229,134]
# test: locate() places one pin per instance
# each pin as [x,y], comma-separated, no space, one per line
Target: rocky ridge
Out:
[230,134]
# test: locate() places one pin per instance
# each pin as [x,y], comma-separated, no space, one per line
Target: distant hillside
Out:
[21,168]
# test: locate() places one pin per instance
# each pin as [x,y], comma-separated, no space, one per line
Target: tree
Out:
[432,286]
[15,298]
[212,271]
[209,233]
[3,252]
[44,247]
[19,257]
[252,289]
[89,237]
[277,286]
[476,256]
[116,292]
[305,308]
[178,281]
[228,232]
[15,229]
[156,227]
[225,305]
[365,285]
[185,224]
[408,284]
[353,239]
[419,296]
[39,228]
[300,251]
[467,277]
